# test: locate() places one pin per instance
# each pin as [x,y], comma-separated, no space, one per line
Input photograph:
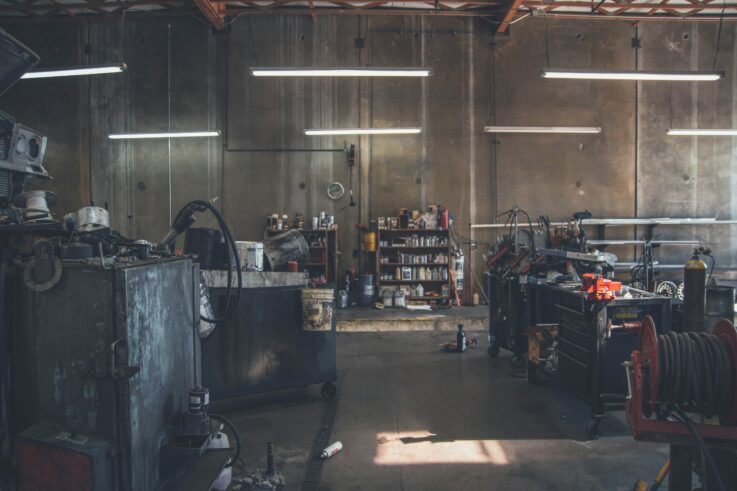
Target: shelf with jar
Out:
[416,261]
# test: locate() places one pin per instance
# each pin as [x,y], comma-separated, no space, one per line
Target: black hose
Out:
[696,372]
[704,450]
[232,253]
[230,425]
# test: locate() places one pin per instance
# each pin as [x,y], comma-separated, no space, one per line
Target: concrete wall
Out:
[182,76]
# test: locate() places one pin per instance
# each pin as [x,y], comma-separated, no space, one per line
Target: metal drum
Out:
[282,248]
[719,305]
[208,245]
[366,290]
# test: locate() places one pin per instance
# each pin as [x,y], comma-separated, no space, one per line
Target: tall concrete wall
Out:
[182,76]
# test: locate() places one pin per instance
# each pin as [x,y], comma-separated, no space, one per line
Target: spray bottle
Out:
[461,339]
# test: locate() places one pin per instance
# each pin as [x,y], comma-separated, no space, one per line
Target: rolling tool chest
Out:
[507,315]
[594,338]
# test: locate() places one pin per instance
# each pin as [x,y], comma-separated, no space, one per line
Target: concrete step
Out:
[398,320]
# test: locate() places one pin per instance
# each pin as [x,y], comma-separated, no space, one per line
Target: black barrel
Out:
[208,244]
[282,248]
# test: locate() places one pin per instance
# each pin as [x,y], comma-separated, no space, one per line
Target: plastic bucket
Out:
[366,290]
[318,309]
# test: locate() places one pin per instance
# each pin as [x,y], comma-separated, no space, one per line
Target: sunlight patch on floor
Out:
[423,448]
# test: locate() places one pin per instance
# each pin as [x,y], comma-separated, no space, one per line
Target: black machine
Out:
[595,336]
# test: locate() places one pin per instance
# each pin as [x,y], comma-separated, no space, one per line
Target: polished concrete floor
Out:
[411,417]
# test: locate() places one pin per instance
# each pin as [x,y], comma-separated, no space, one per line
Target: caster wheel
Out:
[493,351]
[593,428]
[518,361]
[328,390]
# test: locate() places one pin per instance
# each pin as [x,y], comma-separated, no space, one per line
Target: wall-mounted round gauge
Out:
[335,190]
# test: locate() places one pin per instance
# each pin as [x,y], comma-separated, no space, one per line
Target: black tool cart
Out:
[594,338]
[507,315]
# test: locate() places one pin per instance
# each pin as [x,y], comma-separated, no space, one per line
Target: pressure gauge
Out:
[335,190]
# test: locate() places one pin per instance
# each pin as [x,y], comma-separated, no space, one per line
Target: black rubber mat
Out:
[313,472]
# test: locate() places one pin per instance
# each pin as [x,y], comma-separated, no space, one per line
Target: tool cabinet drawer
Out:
[574,335]
[573,373]
[579,353]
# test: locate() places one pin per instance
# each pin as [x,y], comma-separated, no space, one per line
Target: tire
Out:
[493,351]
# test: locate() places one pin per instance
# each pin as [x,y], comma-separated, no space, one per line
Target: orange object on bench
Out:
[599,288]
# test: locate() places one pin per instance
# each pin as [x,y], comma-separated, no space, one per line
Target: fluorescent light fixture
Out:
[542,129]
[633,75]
[77,71]
[702,132]
[341,72]
[364,131]
[178,134]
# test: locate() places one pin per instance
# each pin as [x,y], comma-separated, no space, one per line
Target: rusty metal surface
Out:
[63,357]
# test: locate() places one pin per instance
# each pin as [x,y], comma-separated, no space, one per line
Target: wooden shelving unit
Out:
[400,243]
[323,258]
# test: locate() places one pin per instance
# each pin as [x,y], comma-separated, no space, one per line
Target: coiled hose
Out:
[695,372]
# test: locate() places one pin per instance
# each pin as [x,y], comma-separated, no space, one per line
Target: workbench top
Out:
[256,279]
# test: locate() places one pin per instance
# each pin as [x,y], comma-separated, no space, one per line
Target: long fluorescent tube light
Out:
[341,72]
[178,134]
[77,72]
[633,75]
[701,132]
[542,129]
[364,131]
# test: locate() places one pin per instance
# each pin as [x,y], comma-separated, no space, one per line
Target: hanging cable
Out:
[719,36]
[183,221]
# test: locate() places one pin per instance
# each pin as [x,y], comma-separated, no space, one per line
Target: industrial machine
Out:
[559,253]
[99,339]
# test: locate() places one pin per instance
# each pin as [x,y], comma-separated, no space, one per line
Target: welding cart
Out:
[594,338]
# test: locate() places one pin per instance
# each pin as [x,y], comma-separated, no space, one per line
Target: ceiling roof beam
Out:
[214,12]
[508,16]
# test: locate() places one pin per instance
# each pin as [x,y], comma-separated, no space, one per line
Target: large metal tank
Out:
[109,352]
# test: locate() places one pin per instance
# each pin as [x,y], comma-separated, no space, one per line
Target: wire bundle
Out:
[695,372]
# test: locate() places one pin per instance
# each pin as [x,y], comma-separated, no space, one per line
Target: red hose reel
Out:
[642,378]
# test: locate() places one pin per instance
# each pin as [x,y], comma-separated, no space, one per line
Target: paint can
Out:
[251,255]
[318,309]
[399,300]
[387,298]
[342,299]
[292,266]
[366,290]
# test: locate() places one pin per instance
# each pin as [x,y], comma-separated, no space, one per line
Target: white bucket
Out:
[318,309]
[251,255]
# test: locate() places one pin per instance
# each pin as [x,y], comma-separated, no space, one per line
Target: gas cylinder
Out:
[694,294]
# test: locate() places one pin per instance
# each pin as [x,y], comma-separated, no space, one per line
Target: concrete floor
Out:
[413,418]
